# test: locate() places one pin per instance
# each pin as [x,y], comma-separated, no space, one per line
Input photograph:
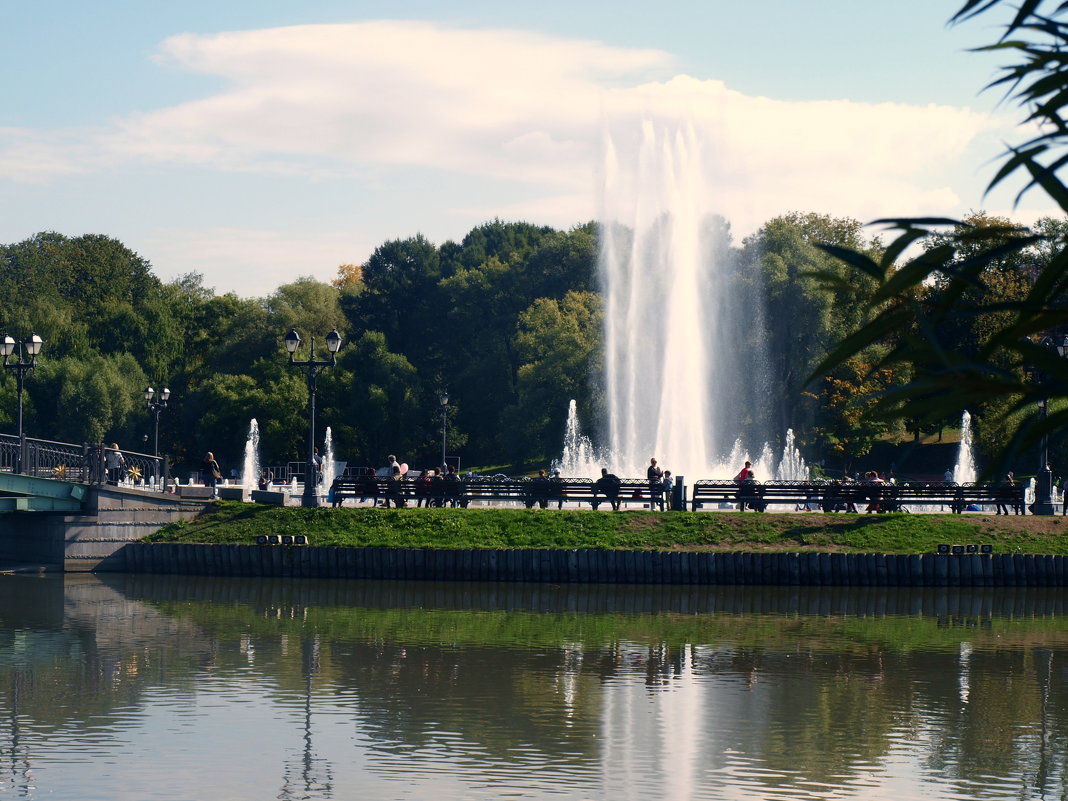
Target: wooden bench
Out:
[368,486]
[958,497]
[712,491]
[409,493]
[585,490]
[496,489]
[839,496]
[491,490]
[755,495]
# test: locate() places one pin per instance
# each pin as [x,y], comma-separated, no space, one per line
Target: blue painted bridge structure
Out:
[59,512]
[20,493]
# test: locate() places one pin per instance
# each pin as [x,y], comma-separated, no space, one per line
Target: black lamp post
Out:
[156,406]
[333,343]
[31,346]
[1043,504]
[443,399]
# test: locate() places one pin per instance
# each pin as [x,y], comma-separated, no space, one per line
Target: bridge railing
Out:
[78,463]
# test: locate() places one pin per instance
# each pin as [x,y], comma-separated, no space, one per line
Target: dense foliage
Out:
[950,315]
[508,320]
[971,311]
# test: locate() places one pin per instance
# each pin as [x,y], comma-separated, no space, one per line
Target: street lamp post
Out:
[333,343]
[156,406]
[443,399]
[31,346]
[1043,504]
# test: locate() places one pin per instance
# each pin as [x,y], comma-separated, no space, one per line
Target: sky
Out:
[257,141]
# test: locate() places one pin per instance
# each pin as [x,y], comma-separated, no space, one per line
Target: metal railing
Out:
[79,463]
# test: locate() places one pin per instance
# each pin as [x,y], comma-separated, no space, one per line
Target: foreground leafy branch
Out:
[1009,284]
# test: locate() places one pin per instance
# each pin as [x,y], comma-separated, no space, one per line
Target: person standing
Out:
[655,476]
[115,463]
[394,491]
[211,472]
[453,487]
[668,485]
[747,488]
[539,490]
[1006,492]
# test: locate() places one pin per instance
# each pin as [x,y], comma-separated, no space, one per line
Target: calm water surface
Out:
[159,687]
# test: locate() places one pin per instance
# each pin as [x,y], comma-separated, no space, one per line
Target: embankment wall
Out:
[597,566]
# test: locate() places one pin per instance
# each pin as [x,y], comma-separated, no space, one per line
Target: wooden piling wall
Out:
[599,566]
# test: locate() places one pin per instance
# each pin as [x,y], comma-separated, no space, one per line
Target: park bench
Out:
[457,493]
[635,491]
[958,497]
[585,490]
[713,492]
[488,490]
[838,496]
[365,486]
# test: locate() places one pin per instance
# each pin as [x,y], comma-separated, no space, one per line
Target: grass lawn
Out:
[232,522]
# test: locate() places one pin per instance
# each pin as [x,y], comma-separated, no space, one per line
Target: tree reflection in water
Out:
[641,691]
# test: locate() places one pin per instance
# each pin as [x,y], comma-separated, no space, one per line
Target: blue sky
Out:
[258,141]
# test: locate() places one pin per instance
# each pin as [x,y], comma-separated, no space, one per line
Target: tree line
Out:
[507,320]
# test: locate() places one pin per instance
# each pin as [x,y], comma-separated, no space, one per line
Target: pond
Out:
[170,687]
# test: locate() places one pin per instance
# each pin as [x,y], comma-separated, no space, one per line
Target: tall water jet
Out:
[683,368]
[329,465]
[964,470]
[250,467]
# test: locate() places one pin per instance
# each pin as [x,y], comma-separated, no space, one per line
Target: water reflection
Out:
[179,687]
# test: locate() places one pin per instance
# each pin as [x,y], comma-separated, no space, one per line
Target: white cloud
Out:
[28,156]
[502,103]
[525,109]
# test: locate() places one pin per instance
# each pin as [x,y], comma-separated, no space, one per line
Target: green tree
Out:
[88,399]
[785,259]
[559,344]
[945,380]
[400,298]
[846,431]
[224,405]
[308,305]
[383,411]
[485,300]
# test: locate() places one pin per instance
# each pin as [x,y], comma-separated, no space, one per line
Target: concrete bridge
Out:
[49,524]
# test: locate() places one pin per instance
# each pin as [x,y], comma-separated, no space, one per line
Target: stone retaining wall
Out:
[597,566]
[93,540]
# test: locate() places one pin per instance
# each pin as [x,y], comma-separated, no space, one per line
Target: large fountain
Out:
[684,360]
